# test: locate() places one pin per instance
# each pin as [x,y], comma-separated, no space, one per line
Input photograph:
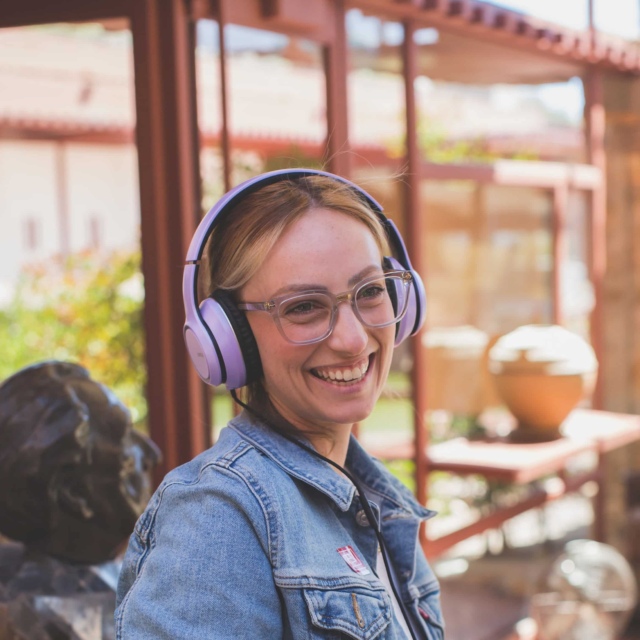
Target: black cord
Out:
[365,505]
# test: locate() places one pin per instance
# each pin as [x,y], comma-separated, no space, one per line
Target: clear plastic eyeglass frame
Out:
[398,280]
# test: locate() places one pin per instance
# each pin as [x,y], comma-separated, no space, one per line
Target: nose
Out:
[349,335]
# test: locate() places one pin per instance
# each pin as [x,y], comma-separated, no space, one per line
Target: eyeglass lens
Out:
[308,316]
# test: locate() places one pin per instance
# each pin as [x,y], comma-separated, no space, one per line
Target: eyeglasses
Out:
[310,316]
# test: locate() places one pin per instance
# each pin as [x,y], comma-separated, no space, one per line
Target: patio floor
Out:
[479,606]
[485,596]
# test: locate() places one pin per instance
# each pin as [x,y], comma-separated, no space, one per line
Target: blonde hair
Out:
[242,239]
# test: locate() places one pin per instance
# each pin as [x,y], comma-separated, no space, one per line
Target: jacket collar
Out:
[304,466]
[295,460]
[396,497]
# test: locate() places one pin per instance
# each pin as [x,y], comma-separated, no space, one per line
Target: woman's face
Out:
[329,250]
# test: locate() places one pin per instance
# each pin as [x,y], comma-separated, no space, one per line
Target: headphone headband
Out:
[217,337]
[240,192]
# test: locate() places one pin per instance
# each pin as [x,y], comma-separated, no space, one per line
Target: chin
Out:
[350,417]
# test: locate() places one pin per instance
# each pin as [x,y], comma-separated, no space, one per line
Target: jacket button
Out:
[361,518]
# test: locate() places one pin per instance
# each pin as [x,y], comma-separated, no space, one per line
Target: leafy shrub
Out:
[86,308]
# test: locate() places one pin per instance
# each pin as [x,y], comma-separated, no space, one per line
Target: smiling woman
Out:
[294,530]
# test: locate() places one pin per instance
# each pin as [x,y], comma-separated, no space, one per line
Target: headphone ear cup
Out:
[246,340]
[414,316]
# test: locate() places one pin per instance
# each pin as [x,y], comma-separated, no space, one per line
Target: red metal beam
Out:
[437,546]
[595,119]
[225,141]
[415,243]
[481,20]
[522,173]
[337,149]
[29,12]
[558,235]
[170,208]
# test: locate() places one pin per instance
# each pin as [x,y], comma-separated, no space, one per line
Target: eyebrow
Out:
[301,287]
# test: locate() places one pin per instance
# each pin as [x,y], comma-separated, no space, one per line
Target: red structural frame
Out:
[168,149]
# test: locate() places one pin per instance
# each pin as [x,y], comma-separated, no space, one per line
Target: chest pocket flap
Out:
[359,613]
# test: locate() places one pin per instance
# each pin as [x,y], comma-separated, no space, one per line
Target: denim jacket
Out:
[248,541]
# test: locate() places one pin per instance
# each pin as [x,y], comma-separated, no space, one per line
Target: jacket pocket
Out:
[356,612]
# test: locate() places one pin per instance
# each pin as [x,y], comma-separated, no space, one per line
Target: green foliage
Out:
[87,309]
[405,471]
[437,146]
[293,157]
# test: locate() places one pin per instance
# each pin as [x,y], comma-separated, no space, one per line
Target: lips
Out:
[344,374]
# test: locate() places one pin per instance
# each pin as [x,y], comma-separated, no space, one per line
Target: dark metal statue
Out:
[74,477]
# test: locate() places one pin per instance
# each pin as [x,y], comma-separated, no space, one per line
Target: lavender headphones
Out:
[217,334]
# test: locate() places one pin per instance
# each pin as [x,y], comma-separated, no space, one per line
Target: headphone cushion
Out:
[410,322]
[244,334]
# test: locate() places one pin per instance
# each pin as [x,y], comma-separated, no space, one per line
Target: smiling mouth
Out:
[344,375]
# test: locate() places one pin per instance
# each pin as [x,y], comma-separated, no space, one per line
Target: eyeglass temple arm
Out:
[256,306]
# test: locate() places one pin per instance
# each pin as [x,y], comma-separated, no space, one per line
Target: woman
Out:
[266,535]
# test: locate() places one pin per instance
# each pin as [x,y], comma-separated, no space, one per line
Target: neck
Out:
[332,443]
[333,446]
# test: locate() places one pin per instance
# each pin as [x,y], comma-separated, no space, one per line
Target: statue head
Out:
[74,474]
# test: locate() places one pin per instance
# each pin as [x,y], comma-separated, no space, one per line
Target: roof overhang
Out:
[481,43]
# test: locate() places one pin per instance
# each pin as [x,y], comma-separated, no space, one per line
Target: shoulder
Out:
[204,530]
[233,473]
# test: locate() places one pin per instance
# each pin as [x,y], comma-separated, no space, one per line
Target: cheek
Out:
[282,361]
[386,338]
[266,335]
[279,358]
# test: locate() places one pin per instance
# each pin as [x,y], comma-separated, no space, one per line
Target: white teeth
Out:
[346,375]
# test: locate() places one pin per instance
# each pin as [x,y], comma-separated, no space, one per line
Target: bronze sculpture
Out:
[74,477]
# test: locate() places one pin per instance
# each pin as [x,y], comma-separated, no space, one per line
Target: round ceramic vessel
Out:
[542,372]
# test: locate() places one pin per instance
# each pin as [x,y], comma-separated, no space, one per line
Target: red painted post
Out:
[225,136]
[415,245]
[337,148]
[558,235]
[595,119]
[170,208]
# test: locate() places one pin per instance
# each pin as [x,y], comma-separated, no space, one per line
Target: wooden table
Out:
[583,431]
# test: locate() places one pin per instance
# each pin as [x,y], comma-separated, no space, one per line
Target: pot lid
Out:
[548,349]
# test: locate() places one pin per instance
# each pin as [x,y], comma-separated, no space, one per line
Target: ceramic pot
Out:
[542,372]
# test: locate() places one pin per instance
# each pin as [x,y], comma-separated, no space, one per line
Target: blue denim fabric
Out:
[242,542]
